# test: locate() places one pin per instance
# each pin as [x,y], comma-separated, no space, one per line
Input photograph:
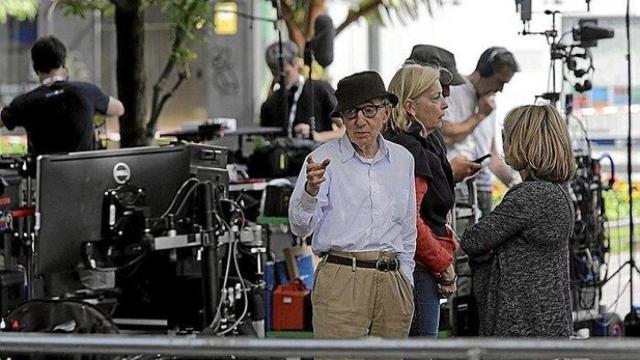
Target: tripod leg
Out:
[622,266]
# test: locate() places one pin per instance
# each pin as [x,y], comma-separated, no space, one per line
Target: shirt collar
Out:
[51,79]
[347,150]
[299,82]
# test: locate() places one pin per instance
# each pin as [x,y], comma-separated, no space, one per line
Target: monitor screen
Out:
[70,191]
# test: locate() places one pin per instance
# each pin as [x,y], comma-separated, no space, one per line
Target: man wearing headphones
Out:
[469,129]
[300,99]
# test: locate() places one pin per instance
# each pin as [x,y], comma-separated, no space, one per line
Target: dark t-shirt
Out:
[271,113]
[58,118]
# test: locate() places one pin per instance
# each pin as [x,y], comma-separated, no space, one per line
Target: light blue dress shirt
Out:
[363,205]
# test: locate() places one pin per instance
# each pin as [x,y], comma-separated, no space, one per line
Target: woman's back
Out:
[524,290]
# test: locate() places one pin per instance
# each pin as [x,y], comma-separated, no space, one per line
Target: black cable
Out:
[126,265]
[284,102]
[177,195]
[195,182]
[308,60]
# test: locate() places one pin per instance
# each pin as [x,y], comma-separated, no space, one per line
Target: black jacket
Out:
[431,162]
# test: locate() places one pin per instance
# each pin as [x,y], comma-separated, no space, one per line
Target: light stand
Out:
[631,321]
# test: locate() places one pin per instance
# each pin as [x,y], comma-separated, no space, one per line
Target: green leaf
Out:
[81,8]
[19,9]
[390,10]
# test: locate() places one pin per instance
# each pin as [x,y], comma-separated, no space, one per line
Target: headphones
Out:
[585,86]
[574,72]
[486,68]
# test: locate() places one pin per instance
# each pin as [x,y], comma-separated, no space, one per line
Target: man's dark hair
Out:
[48,53]
[495,59]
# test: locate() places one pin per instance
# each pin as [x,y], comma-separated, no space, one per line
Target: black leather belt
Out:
[380,265]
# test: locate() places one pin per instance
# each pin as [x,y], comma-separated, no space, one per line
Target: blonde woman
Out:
[414,124]
[521,272]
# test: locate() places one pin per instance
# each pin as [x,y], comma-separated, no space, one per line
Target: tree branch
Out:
[155,115]
[295,32]
[158,98]
[355,15]
[307,24]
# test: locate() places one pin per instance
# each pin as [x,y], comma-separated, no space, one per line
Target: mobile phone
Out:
[482,158]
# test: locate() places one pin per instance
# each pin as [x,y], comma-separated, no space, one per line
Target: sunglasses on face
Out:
[369,111]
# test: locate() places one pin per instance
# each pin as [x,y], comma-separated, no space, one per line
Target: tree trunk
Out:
[130,71]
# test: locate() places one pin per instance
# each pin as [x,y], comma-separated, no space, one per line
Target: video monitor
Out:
[70,190]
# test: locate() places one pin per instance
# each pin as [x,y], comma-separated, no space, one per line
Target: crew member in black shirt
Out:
[298,91]
[58,115]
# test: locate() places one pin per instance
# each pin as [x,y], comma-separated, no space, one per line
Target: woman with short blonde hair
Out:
[537,142]
[414,124]
[408,84]
[520,252]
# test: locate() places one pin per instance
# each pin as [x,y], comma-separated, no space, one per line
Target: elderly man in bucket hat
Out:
[356,195]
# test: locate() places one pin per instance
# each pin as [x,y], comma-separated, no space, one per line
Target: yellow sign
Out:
[225,20]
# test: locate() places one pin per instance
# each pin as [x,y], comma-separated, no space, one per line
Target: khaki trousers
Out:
[352,303]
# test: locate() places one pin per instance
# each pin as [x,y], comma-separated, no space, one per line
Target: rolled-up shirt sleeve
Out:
[305,211]
[409,230]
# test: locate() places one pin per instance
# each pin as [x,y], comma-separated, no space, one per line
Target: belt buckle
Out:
[382,265]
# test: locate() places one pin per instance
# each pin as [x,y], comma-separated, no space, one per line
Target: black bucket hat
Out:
[433,55]
[355,89]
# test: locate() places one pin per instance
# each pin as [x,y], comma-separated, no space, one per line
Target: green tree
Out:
[19,9]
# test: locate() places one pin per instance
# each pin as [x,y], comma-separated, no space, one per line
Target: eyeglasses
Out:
[369,111]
